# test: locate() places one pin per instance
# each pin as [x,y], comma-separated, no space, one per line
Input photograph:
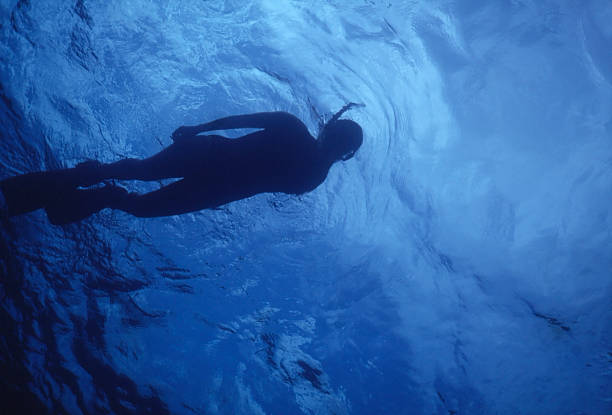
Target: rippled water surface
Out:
[460,264]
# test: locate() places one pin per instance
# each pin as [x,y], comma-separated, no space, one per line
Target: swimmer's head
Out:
[340,139]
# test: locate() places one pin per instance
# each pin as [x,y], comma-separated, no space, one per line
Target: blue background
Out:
[460,264]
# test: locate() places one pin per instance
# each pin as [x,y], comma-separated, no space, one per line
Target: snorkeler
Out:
[281,156]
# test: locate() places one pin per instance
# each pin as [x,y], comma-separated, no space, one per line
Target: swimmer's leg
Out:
[28,192]
[183,196]
[178,160]
[92,172]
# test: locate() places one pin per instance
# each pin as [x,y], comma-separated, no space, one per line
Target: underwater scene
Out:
[306,207]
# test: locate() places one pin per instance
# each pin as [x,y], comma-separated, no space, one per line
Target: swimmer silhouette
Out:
[214,170]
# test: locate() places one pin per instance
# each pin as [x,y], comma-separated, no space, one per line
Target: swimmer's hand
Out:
[184,132]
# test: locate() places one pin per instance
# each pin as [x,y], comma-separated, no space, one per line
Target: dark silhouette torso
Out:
[270,160]
[266,161]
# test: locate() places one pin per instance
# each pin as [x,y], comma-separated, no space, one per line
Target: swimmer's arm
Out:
[258,120]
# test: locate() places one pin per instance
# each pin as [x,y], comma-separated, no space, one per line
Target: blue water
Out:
[460,264]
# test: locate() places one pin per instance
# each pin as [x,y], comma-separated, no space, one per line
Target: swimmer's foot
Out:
[82,203]
[89,173]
